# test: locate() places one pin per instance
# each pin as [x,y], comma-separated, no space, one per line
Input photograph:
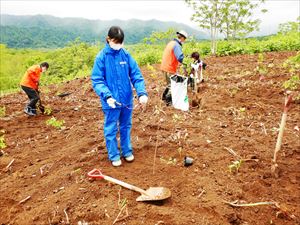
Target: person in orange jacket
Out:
[173,55]
[30,85]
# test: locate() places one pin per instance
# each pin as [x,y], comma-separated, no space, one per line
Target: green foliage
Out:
[233,18]
[146,54]
[236,18]
[123,203]
[233,91]
[158,37]
[2,142]
[261,68]
[235,166]
[293,65]
[290,27]
[48,111]
[170,161]
[207,13]
[2,111]
[42,31]
[42,37]
[13,65]
[292,84]
[75,60]
[288,42]
[55,123]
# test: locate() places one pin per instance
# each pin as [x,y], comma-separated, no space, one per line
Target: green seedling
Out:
[2,142]
[275,130]
[297,98]
[176,117]
[78,170]
[123,203]
[171,160]
[292,84]
[48,111]
[55,123]
[242,109]
[2,111]
[233,91]
[235,166]
[261,68]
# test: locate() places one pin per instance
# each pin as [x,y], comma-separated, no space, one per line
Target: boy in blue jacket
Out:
[114,73]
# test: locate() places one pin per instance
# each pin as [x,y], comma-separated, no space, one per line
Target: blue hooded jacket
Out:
[113,75]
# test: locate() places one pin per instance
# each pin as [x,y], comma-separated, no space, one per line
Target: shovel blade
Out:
[155,194]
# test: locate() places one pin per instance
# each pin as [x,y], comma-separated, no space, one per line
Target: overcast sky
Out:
[279,11]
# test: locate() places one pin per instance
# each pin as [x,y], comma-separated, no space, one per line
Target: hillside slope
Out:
[236,111]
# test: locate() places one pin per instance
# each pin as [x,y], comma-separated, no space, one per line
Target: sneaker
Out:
[129,158]
[29,112]
[116,163]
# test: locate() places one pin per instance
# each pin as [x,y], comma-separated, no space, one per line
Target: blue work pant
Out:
[118,119]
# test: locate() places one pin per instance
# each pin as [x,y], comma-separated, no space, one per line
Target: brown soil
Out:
[236,111]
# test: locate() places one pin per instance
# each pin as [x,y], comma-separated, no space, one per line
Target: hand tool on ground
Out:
[151,194]
[64,94]
[39,104]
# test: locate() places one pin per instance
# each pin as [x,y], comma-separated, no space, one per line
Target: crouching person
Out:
[113,75]
[198,66]
[30,85]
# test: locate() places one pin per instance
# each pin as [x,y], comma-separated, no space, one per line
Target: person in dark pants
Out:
[30,85]
[173,56]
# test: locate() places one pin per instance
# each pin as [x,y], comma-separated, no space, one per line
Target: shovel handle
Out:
[96,173]
[126,185]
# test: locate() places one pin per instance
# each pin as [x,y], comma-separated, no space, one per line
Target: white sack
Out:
[179,92]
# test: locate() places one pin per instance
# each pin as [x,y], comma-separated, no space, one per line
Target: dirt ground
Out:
[236,111]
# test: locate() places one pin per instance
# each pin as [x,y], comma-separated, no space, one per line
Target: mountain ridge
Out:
[35,27]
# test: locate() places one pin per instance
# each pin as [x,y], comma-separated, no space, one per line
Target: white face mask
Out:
[115,46]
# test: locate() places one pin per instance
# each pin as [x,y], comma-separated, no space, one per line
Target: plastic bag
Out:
[180,98]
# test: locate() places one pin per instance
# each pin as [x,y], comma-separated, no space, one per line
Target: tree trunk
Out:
[212,38]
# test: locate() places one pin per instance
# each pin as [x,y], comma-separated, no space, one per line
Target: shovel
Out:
[40,105]
[151,194]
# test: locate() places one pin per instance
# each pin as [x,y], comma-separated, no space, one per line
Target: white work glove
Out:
[143,99]
[111,102]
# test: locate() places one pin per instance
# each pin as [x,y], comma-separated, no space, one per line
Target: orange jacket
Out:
[171,57]
[31,77]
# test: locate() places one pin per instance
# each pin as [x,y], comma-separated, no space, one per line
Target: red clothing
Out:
[169,61]
[31,77]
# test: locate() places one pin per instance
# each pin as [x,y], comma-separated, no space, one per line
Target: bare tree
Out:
[230,17]
[208,14]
